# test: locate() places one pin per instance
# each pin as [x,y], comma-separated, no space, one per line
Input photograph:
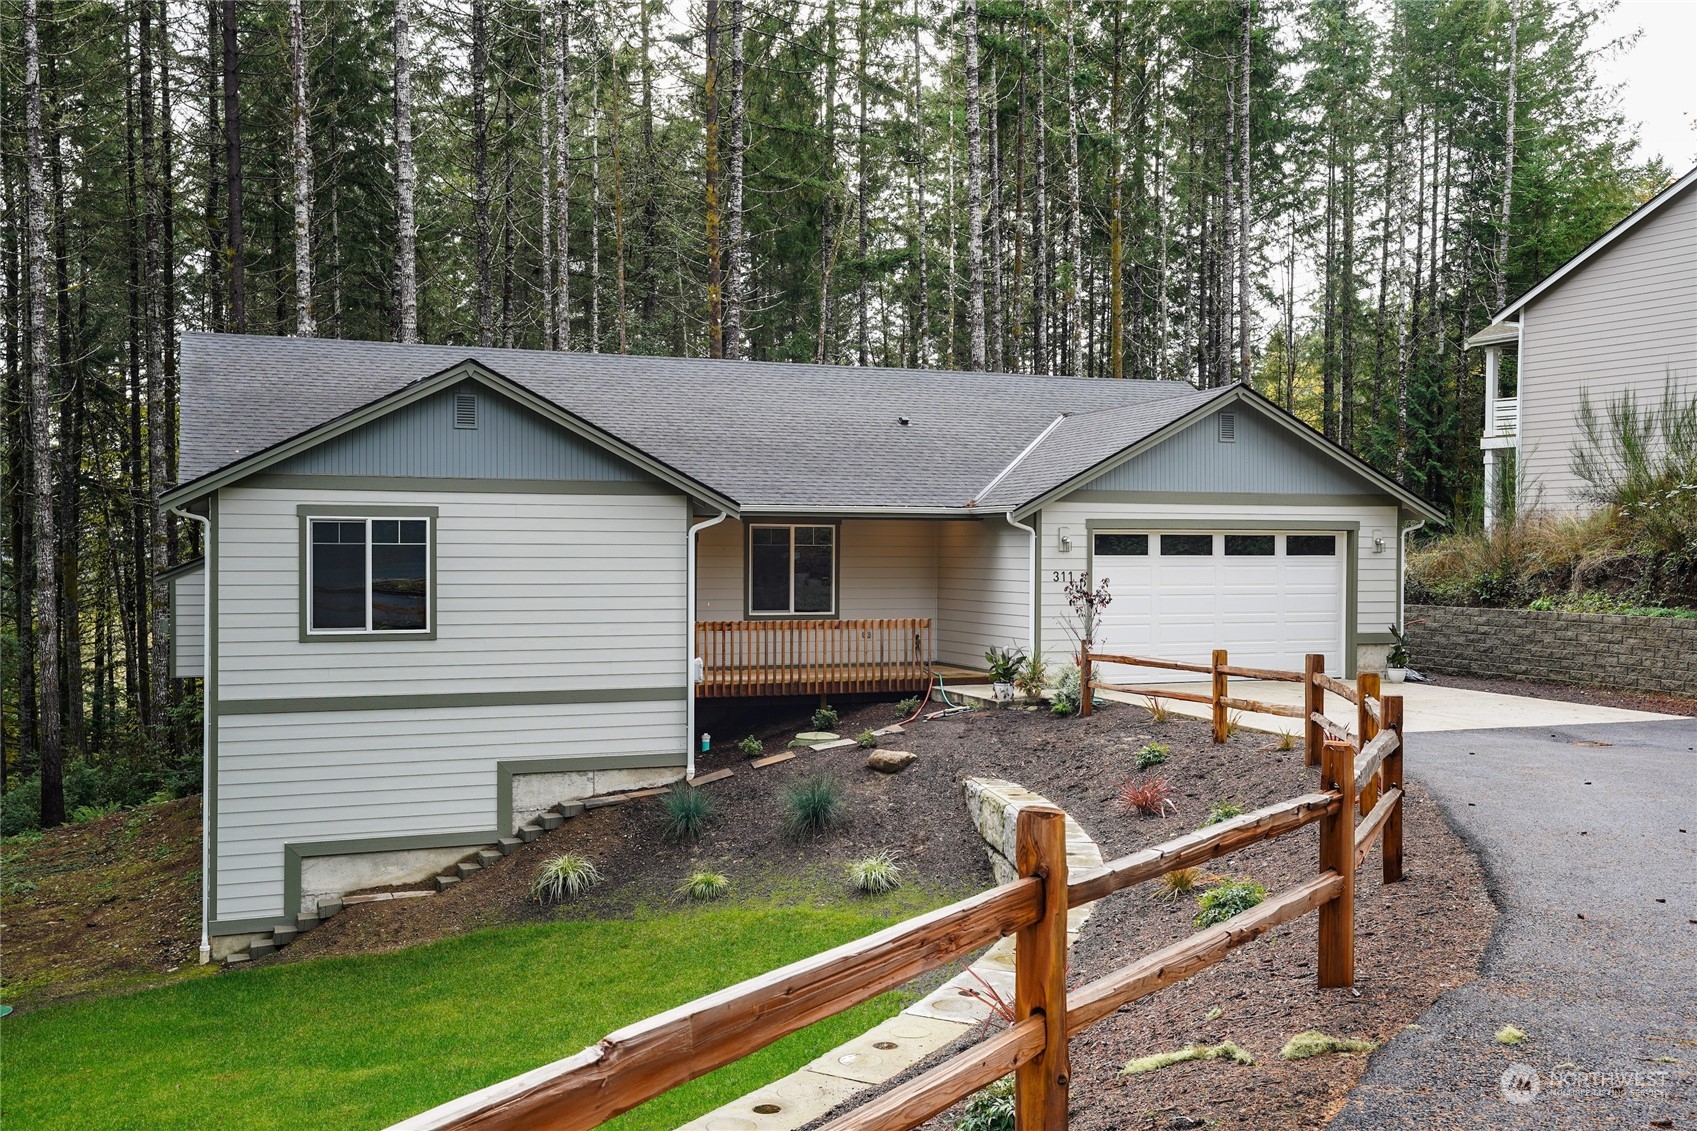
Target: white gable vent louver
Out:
[465,410]
[1228,427]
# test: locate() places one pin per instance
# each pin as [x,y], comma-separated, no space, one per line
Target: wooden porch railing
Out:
[812,657]
[643,1060]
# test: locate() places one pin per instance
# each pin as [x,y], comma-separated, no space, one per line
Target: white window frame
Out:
[792,527]
[429,628]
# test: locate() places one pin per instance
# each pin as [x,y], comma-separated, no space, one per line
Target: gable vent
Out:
[465,410]
[1228,427]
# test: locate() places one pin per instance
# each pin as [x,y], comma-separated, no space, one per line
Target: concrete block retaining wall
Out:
[1600,650]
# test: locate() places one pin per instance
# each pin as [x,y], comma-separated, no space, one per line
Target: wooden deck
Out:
[813,657]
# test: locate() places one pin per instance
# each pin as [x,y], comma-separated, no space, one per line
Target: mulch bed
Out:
[1414,940]
[1658,701]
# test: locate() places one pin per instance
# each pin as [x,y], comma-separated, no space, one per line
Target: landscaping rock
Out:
[890,761]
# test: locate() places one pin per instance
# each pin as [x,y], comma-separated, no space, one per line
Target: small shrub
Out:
[825,718]
[751,747]
[908,707]
[1032,678]
[866,740]
[813,807]
[1222,811]
[1152,797]
[564,877]
[1287,740]
[704,887]
[990,1109]
[687,812]
[1232,897]
[1234,723]
[1175,885]
[1225,1050]
[1509,1035]
[1152,755]
[876,875]
[1068,691]
[1157,710]
[1314,1043]
[83,814]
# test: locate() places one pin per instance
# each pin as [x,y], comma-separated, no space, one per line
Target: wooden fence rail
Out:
[812,657]
[641,1061]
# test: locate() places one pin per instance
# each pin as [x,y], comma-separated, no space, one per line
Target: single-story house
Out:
[446,588]
[1619,317]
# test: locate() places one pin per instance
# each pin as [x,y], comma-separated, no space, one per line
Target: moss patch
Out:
[1225,1050]
[1313,1043]
[1509,1035]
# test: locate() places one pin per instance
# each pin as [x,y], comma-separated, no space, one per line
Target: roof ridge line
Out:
[1003,474]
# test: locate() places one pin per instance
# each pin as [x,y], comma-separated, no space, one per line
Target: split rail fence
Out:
[647,1058]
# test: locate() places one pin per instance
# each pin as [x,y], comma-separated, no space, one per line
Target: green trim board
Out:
[1211,498]
[748,524]
[293,854]
[1036,524]
[448,699]
[428,386]
[1350,528]
[209,704]
[315,482]
[308,511]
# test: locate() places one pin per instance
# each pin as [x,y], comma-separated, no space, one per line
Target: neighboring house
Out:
[450,587]
[1621,316]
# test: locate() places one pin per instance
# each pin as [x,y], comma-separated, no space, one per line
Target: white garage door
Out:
[1269,599]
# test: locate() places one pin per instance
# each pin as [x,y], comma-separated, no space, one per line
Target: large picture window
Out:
[792,570]
[368,575]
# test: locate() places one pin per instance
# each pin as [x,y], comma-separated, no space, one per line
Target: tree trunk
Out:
[715,267]
[863,336]
[305,324]
[1040,272]
[562,173]
[480,173]
[158,557]
[620,308]
[41,452]
[550,332]
[406,178]
[1116,205]
[1075,219]
[828,238]
[233,169]
[736,275]
[1508,158]
[1243,306]
[922,319]
[214,159]
[974,191]
[993,230]
[595,207]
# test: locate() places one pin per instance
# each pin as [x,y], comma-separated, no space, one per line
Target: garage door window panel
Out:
[1249,545]
[1311,546]
[1187,545]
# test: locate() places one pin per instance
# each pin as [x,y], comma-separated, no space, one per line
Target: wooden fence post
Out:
[1390,844]
[1366,728]
[1313,703]
[1337,854]
[1219,693]
[1040,972]
[1084,678]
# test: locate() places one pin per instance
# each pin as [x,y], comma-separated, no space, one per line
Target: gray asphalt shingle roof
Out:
[761,433]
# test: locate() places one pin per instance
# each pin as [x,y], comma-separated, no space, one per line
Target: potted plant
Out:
[1004,665]
[1396,660]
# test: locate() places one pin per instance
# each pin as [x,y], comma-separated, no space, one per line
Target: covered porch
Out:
[820,657]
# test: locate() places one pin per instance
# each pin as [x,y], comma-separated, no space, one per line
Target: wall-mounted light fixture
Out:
[1379,543]
[1065,540]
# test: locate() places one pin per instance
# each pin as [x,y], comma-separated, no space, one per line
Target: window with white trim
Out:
[792,570]
[368,575]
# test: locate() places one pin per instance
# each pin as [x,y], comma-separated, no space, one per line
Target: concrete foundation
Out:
[225,945]
[535,794]
[326,876]
[1371,657]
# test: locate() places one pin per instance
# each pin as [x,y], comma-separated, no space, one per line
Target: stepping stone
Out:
[716,775]
[550,821]
[328,908]
[443,883]
[644,794]
[488,856]
[283,936]
[526,834]
[773,760]
[233,959]
[261,948]
[569,809]
[890,761]
[809,737]
[893,728]
[305,923]
[603,802]
[511,844]
[837,745]
[467,867]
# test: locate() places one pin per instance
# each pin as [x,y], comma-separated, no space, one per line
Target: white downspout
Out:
[1036,584]
[689,648]
[205,731]
[1402,579]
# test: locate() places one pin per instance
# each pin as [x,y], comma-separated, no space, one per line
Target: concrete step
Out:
[488,856]
[443,883]
[328,908]
[261,948]
[305,923]
[283,936]
[233,959]
[528,833]
[550,821]
[508,845]
[569,809]
[467,867]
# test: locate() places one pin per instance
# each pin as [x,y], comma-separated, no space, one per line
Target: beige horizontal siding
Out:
[983,589]
[888,568]
[1625,320]
[188,623]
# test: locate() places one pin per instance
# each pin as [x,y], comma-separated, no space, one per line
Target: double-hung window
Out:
[368,575]
[792,570]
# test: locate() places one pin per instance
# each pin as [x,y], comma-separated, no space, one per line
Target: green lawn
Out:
[362,1042]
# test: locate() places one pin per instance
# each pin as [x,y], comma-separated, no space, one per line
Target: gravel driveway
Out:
[1588,835]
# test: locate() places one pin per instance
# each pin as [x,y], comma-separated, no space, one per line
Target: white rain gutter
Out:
[1402,579]
[205,731]
[694,664]
[1036,583]
[1029,448]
